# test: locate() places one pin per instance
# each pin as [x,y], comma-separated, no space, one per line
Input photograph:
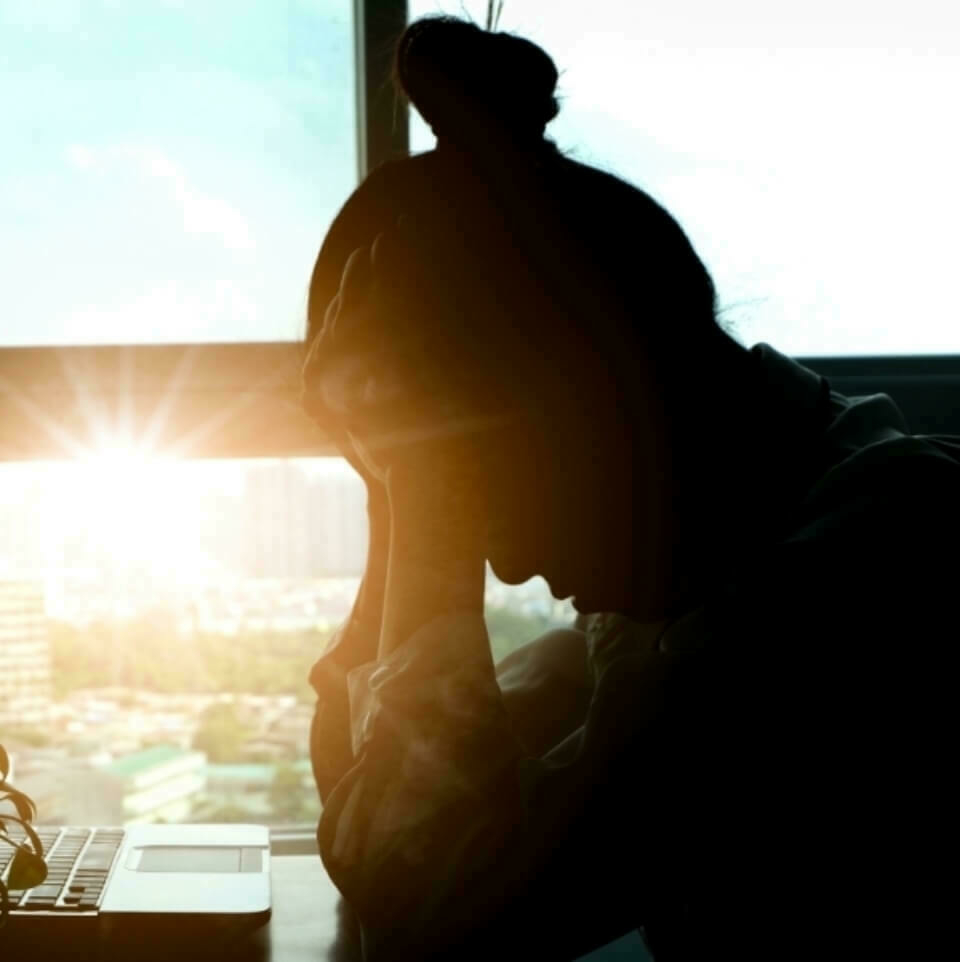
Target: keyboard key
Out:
[97,858]
[42,891]
[81,857]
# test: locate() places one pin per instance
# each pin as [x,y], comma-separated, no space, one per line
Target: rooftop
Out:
[252,771]
[142,761]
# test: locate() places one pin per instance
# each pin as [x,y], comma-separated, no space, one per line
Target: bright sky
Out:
[809,149]
[169,168]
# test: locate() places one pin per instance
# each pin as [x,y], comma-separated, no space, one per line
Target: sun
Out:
[120,455]
[130,502]
[115,467]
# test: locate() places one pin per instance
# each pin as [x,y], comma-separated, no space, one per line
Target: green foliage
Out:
[34,737]
[222,813]
[27,868]
[220,733]
[290,799]
[149,654]
[509,629]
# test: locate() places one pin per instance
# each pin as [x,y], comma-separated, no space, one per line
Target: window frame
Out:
[222,400]
[241,400]
[233,400]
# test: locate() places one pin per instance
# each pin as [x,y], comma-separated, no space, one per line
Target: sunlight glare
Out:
[134,504]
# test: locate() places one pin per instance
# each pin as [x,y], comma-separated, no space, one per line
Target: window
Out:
[806,151]
[175,540]
[170,173]
[157,621]
[170,168]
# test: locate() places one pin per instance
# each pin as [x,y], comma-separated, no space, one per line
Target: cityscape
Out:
[157,627]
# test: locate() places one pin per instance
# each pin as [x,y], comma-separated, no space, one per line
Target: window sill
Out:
[293,840]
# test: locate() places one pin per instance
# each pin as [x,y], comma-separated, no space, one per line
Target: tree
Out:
[220,733]
[287,793]
[228,812]
[148,653]
[509,629]
[26,735]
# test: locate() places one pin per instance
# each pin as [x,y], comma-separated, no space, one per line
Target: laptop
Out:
[144,891]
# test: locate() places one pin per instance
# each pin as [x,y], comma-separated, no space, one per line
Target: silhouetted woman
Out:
[737,750]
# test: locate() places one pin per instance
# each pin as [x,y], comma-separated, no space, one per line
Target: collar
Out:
[770,456]
[799,394]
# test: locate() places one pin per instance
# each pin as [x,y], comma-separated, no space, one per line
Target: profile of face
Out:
[514,258]
[574,487]
[573,497]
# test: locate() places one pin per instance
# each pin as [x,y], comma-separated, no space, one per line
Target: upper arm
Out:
[546,688]
[820,727]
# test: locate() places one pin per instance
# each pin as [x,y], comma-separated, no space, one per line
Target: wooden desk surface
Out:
[309,925]
[305,924]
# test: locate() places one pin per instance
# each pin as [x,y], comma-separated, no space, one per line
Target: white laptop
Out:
[150,888]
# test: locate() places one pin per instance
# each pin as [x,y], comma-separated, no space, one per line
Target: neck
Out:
[709,450]
[436,566]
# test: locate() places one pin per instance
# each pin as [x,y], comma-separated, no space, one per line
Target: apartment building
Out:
[24,656]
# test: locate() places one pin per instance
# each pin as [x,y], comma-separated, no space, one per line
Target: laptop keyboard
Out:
[78,863]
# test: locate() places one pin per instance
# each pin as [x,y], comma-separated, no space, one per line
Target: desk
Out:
[308,924]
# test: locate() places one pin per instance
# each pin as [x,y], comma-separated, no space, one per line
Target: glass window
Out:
[158,619]
[807,150]
[169,169]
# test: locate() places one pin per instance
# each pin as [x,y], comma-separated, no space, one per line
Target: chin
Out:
[558,589]
[596,600]
[583,605]
[510,572]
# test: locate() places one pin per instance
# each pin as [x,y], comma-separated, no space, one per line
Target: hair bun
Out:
[457,75]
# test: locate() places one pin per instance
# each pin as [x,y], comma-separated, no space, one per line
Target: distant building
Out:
[49,793]
[298,526]
[238,791]
[37,772]
[288,736]
[338,526]
[156,784]
[24,656]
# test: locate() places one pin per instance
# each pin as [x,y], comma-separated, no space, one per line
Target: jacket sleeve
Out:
[445,836]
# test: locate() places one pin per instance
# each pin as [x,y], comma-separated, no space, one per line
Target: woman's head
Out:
[551,289]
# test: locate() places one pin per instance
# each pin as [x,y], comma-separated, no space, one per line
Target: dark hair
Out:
[507,221]
[461,77]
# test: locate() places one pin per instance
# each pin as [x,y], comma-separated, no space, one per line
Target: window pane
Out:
[169,168]
[808,151]
[157,623]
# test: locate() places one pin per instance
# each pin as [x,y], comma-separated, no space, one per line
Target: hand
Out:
[355,643]
[376,377]
[380,376]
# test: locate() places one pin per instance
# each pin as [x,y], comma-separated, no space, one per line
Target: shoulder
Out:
[889,506]
[546,688]
[560,651]
[868,564]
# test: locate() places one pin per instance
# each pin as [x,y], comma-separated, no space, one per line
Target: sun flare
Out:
[132,503]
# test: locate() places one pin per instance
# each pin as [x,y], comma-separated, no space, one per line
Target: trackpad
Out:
[195,858]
